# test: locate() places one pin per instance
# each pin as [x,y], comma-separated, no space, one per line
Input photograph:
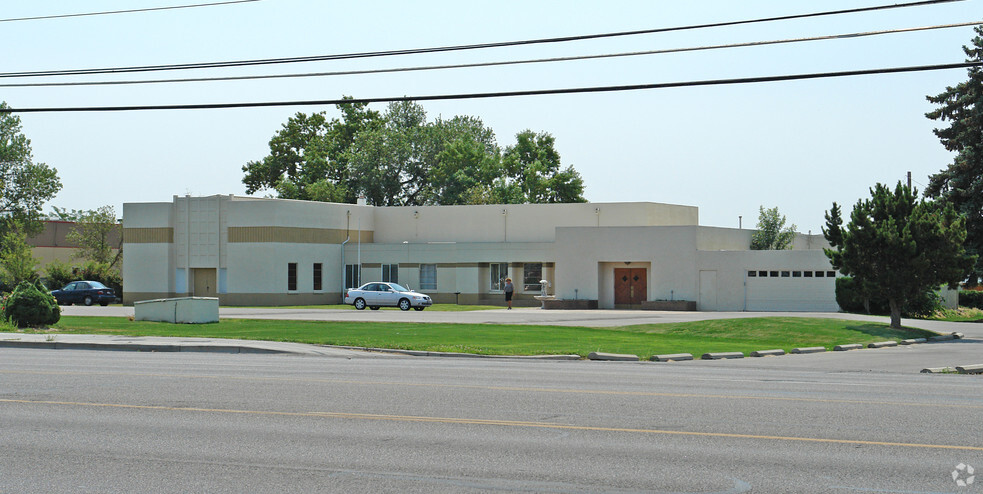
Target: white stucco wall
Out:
[519,223]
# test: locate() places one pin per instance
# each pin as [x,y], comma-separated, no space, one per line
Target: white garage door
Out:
[787,290]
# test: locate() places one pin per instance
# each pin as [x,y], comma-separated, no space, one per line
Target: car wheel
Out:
[359,304]
[404,304]
[374,307]
[103,303]
[87,301]
[418,308]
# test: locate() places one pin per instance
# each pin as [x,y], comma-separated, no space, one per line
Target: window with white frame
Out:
[390,273]
[498,271]
[428,277]
[532,273]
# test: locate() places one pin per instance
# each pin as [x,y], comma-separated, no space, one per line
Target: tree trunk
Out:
[895,313]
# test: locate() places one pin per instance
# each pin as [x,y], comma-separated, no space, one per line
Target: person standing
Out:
[509,289]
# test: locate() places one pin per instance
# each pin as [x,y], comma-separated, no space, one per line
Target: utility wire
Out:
[503,94]
[415,51]
[84,14]
[489,64]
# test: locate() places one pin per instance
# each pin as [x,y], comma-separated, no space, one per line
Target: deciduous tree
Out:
[771,233]
[24,185]
[93,233]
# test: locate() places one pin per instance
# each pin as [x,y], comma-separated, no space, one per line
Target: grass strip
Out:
[698,337]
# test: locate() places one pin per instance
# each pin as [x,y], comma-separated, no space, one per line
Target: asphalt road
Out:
[93,421]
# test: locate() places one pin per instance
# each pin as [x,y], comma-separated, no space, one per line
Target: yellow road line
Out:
[515,389]
[502,423]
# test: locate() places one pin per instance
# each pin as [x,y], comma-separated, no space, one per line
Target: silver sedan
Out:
[381,294]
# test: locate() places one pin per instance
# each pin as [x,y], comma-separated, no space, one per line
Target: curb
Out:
[938,370]
[616,357]
[767,353]
[136,347]
[811,349]
[672,357]
[847,347]
[883,344]
[970,369]
[721,355]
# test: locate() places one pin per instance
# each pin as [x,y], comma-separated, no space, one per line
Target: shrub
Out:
[30,305]
[850,299]
[972,299]
[60,274]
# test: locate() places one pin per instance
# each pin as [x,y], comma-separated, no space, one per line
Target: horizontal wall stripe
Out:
[161,235]
[294,235]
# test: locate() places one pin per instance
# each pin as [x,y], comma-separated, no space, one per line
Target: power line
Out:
[150,9]
[489,64]
[416,51]
[503,94]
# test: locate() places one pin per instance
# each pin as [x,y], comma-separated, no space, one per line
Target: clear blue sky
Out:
[726,149]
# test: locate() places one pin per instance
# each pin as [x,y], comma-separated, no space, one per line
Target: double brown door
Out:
[630,287]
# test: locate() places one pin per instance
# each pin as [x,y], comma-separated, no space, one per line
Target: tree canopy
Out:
[897,246]
[400,158]
[772,234]
[93,234]
[961,183]
[25,185]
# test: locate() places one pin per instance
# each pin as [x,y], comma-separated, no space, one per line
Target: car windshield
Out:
[399,288]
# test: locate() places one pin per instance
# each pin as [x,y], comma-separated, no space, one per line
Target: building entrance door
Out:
[630,287]
[204,282]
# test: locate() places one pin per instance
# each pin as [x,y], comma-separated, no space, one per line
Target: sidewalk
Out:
[162,344]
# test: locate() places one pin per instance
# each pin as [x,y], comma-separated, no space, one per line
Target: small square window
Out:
[774,274]
[831,274]
[820,274]
[786,274]
[763,274]
[808,274]
[752,274]
[796,274]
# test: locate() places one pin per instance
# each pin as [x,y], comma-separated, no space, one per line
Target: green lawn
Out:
[731,335]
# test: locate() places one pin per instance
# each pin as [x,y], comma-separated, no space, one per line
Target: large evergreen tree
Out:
[961,183]
[897,246]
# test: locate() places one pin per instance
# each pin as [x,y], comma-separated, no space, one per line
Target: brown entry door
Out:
[630,287]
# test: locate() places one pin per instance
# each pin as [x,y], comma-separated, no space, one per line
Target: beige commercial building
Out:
[252,251]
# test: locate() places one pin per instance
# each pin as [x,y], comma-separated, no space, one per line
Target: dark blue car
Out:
[85,293]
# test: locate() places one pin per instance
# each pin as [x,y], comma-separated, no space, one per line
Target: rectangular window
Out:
[498,271]
[317,277]
[390,273]
[428,277]
[763,274]
[831,274]
[819,274]
[752,274]
[786,274]
[532,273]
[774,274]
[796,274]
[808,274]
[353,276]
[292,276]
